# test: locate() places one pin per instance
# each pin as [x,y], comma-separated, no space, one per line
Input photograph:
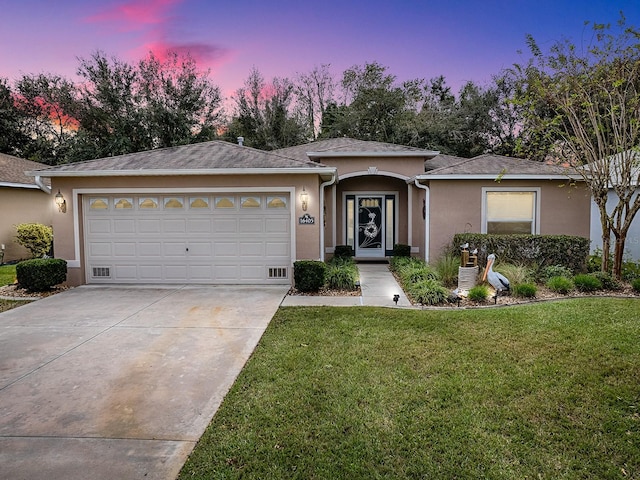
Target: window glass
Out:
[390,223]
[225,202]
[173,202]
[199,202]
[123,203]
[276,202]
[351,203]
[510,212]
[98,203]
[148,202]
[250,202]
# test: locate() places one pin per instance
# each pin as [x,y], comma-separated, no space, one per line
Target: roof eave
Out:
[513,176]
[426,154]
[19,185]
[327,172]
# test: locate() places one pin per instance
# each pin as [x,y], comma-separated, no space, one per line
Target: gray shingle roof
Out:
[212,155]
[350,146]
[490,164]
[441,161]
[12,170]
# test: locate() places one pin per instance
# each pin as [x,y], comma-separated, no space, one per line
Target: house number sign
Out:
[306,219]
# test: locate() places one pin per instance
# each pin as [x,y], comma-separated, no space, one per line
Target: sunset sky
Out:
[460,39]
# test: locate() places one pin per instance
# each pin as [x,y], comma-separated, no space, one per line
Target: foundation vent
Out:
[278,272]
[101,272]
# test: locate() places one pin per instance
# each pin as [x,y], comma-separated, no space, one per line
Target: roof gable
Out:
[12,171]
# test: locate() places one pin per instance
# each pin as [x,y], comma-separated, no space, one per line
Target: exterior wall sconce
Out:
[304,199]
[60,202]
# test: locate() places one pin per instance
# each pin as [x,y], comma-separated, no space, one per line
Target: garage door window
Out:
[199,202]
[225,202]
[173,202]
[148,202]
[98,204]
[124,203]
[276,202]
[250,202]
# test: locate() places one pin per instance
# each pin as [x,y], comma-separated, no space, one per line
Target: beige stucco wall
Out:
[306,236]
[21,205]
[456,207]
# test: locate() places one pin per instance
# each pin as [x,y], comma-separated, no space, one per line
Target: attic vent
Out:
[278,272]
[101,272]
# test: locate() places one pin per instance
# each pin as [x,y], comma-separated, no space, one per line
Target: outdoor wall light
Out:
[396,297]
[60,202]
[304,199]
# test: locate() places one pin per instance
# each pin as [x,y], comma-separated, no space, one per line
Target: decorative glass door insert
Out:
[369,227]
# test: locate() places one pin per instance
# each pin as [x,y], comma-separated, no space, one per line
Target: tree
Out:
[585,102]
[314,92]
[12,136]
[44,101]
[263,114]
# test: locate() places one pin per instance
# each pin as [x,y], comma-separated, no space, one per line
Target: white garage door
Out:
[190,238]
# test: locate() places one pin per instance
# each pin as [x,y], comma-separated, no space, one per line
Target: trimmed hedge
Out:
[535,250]
[401,250]
[343,251]
[309,275]
[40,274]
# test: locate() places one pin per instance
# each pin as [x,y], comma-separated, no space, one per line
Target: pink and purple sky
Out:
[460,39]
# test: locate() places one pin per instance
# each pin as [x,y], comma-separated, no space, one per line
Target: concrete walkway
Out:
[377,285]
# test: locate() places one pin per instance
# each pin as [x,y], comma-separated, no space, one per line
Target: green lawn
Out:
[7,274]
[541,391]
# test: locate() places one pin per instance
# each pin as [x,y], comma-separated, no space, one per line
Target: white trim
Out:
[20,185]
[483,213]
[409,214]
[76,192]
[427,217]
[495,177]
[380,173]
[180,172]
[427,154]
[321,213]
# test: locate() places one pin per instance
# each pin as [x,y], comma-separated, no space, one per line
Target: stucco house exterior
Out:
[217,212]
[23,199]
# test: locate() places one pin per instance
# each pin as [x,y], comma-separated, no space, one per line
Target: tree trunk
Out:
[618,256]
[606,248]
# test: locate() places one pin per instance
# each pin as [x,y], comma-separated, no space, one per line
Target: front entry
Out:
[371,224]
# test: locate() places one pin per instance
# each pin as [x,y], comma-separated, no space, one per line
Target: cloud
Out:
[136,14]
[202,53]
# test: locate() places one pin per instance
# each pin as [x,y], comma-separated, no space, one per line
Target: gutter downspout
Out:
[334,177]
[41,185]
[427,230]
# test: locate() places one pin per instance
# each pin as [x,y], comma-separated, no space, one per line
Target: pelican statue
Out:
[497,280]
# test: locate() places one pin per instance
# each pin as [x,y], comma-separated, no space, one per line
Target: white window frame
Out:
[536,213]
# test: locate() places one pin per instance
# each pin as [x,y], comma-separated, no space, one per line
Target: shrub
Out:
[515,273]
[587,283]
[428,292]
[343,251]
[479,293]
[607,281]
[555,271]
[446,268]
[40,274]
[35,237]
[309,275]
[635,284]
[416,271]
[524,290]
[341,274]
[401,250]
[560,284]
[396,263]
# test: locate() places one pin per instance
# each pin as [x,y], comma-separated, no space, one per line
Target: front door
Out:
[369,226]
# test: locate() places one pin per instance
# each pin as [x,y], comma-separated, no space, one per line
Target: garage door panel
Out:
[174,249]
[100,249]
[222,243]
[149,249]
[99,226]
[149,225]
[125,249]
[127,225]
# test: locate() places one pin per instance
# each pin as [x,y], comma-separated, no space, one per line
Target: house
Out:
[23,199]
[217,212]
[632,244]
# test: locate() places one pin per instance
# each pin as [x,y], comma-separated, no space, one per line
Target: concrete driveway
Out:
[120,381]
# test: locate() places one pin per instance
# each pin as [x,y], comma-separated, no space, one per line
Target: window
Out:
[509,210]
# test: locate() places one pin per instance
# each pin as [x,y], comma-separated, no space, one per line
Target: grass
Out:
[547,390]
[7,274]
[9,304]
